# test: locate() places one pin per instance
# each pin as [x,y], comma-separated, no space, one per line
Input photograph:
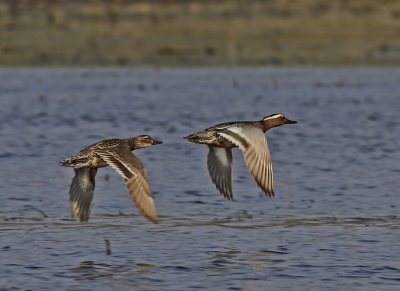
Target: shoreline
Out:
[189,34]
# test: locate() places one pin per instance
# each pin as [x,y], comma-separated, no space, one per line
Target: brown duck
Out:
[117,154]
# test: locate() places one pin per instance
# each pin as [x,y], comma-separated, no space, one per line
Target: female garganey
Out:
[117,154]
[249,137]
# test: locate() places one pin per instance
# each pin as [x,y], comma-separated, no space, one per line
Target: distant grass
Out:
[187,33]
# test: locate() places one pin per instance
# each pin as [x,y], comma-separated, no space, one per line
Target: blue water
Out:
[333,225]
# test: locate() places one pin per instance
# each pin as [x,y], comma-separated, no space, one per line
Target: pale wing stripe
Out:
[232,139]
[123,160]
[256,153]
[132,163]
[117,163]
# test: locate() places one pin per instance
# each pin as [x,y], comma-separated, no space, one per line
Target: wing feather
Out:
[219,163]
[132,170]
[252,141]
[81,193]
[139,190]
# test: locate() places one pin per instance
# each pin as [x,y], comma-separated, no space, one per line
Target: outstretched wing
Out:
[219,163]
[252,141]
[131,169]
[81,193]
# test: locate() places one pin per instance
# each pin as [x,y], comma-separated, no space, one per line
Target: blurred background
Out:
[199,33]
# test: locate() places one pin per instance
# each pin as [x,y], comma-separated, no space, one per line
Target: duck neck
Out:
[132,143]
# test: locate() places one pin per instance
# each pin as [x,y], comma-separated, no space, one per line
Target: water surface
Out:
[334,222]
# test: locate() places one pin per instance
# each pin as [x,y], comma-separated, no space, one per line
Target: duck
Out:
[116,153]
[250,138]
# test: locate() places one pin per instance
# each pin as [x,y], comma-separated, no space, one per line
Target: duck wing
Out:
[252,141]
[219,163]
[132,170]
[81,193]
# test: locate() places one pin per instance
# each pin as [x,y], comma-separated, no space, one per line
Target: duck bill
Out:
[192,138]
[288,121]
[189,137]
[156,142]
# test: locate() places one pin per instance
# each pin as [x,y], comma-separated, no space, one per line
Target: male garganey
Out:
[249,137]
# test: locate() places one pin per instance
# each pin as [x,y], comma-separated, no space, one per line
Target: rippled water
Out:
[334,223]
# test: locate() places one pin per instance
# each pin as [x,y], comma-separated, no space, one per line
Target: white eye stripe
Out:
[273,116]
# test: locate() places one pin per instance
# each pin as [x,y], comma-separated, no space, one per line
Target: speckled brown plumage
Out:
[117,154]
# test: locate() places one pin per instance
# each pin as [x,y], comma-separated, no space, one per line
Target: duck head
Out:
[274,120]
[142,141]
